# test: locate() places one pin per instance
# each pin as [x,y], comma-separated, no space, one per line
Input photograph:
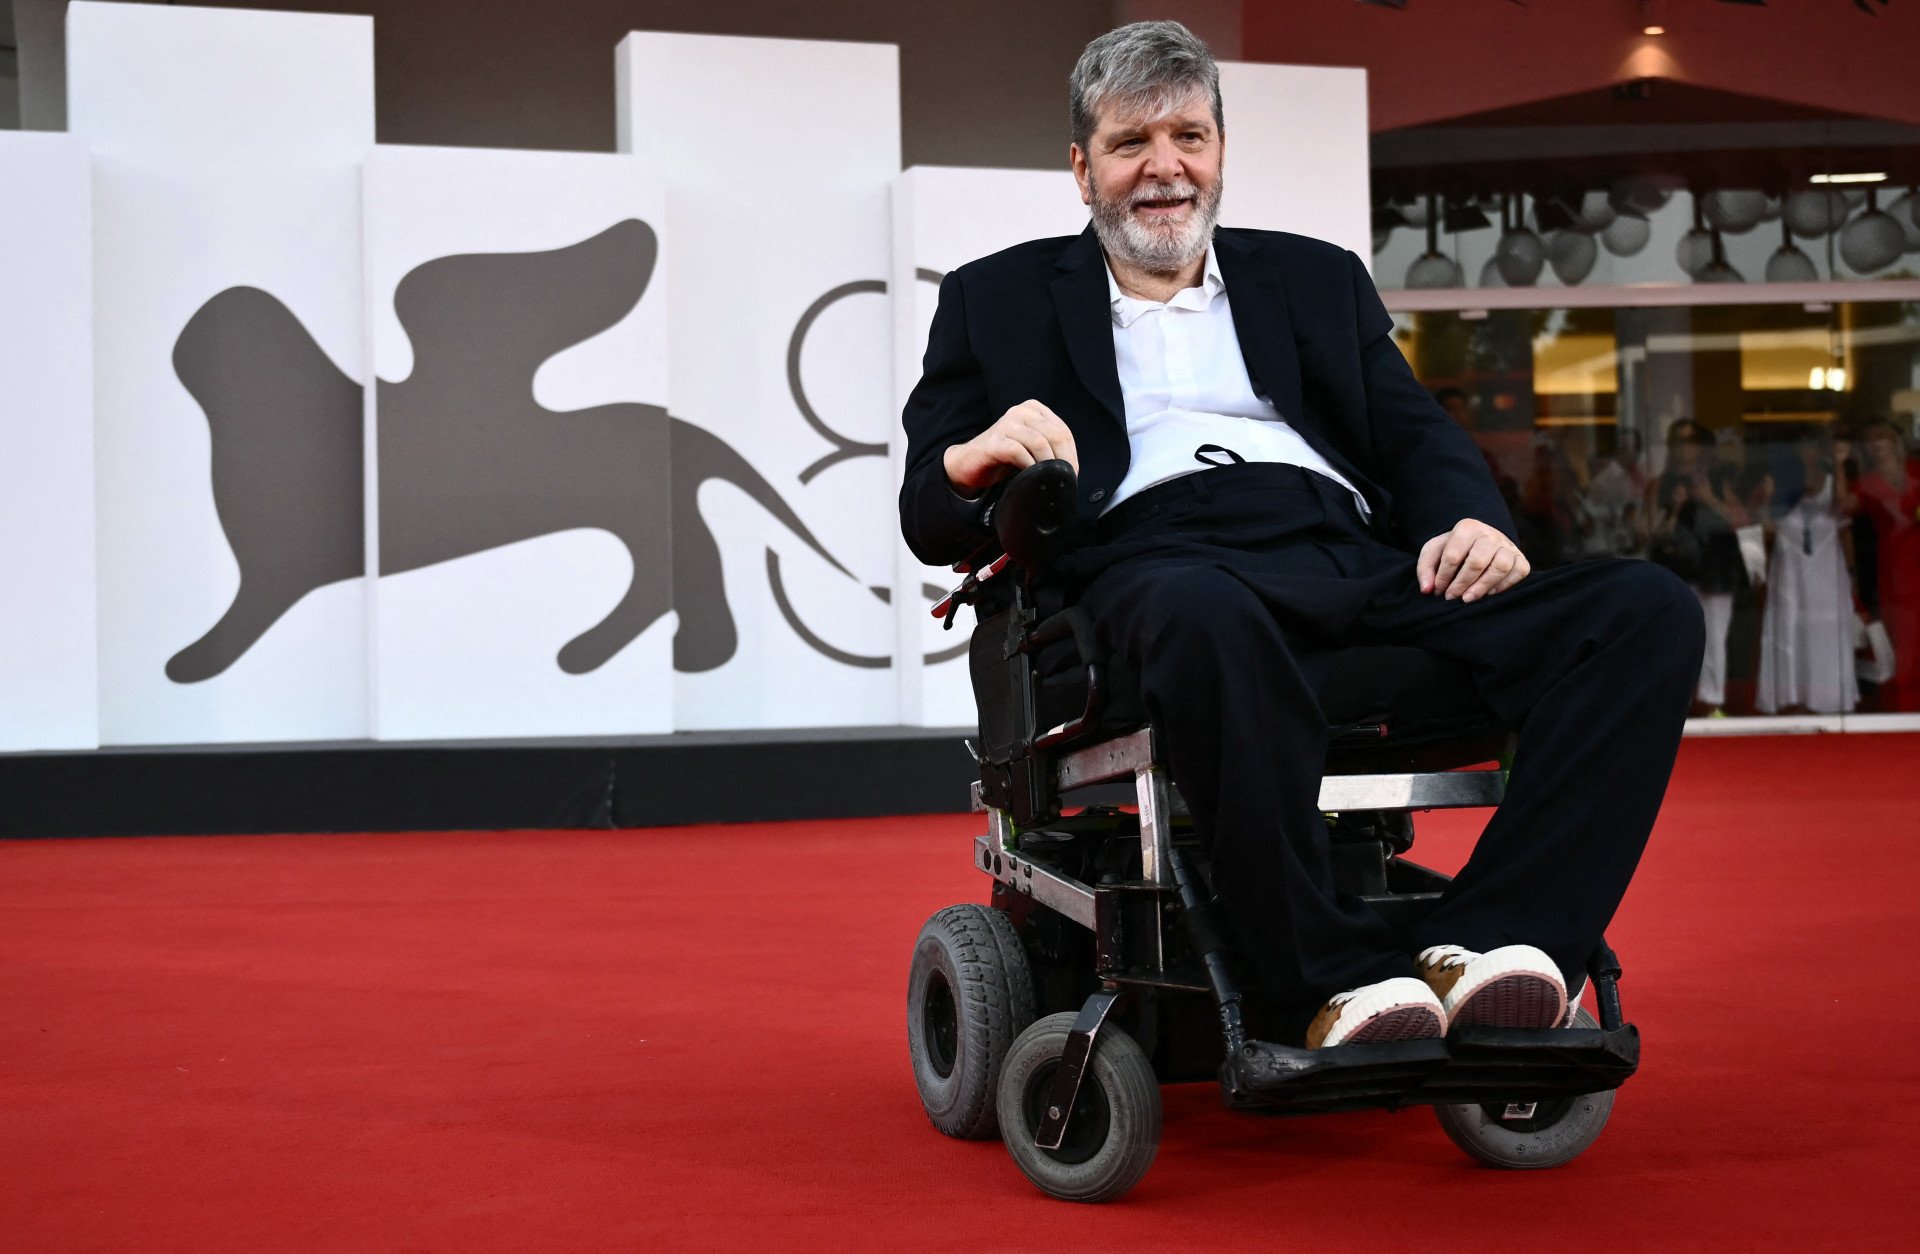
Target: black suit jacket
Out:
[1034,323]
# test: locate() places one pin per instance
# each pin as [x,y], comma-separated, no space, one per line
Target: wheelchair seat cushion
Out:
[1417,696]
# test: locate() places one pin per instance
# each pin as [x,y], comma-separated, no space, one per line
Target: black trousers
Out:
[1229,587]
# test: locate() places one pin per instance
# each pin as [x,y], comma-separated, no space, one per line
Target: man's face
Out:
[1152,179]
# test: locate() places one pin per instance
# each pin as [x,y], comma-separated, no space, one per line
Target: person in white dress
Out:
[1806,633]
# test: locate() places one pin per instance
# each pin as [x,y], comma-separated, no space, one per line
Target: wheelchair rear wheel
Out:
[969,994]
[1115,1130]
[1533,1135]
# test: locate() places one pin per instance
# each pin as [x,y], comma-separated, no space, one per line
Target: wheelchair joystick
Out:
[1034,515]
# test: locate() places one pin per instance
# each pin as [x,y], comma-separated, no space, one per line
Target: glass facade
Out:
[1763,452]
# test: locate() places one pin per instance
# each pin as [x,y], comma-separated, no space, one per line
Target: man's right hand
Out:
[1026,434]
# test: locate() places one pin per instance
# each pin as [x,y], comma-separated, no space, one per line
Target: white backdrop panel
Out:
[779,349]
[940,224]
[226,160]
[520,483]
[1296,156]
[48,693]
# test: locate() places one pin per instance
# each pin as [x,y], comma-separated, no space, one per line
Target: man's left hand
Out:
[1469,562]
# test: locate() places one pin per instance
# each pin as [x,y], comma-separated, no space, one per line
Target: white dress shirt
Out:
[1186,386]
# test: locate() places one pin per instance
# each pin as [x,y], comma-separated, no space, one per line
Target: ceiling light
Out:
[1654,30]
[1878,176]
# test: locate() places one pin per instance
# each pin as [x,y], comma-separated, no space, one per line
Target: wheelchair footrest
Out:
[1504,1064]
[1345,1077]
[1476,1065]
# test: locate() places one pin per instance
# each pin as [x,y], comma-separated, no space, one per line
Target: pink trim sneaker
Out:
[1400,1009]
[1514,986]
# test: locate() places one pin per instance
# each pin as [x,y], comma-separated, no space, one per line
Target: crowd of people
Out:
[1802,542]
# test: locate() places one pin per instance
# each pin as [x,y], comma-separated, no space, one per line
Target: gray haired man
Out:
[1263,481]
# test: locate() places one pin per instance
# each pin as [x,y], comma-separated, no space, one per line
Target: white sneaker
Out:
[1573,1003]
[1514,986]
[1400,1009]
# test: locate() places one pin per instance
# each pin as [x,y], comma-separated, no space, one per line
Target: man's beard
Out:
[1163,248]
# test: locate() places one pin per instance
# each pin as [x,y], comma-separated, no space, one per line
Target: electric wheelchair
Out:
[1098,972]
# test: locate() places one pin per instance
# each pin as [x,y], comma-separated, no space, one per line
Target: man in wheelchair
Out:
[1261,484]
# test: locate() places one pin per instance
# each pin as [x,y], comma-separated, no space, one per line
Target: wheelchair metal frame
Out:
[1133,755]
[1025,773]
[1129,925]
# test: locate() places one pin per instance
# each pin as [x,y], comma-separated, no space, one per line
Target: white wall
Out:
[47,608]
[777,198]
[226,151]
[1296,156]
[938,225]
[413,524]
[568,457]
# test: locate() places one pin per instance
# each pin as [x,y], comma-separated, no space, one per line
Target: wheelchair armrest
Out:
[1075,623]
[1072,621]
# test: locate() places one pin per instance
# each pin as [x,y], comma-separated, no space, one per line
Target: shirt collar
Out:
[1127,309]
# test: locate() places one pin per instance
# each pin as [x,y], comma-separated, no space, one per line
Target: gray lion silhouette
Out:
[468,459]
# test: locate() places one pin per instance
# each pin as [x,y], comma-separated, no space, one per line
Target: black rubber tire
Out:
[969,994]
[1116,1127]
[1556,1135]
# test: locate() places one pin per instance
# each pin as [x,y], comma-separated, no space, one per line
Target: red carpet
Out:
[693,1039]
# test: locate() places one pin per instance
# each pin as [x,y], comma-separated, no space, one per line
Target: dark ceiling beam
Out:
[1865,6]
[1437,145]
[1401,4]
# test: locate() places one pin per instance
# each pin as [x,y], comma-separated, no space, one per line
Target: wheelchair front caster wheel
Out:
[1115,1129]
[969,993]
[1529,1135]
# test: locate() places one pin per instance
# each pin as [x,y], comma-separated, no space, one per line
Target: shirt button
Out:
[1097,495]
